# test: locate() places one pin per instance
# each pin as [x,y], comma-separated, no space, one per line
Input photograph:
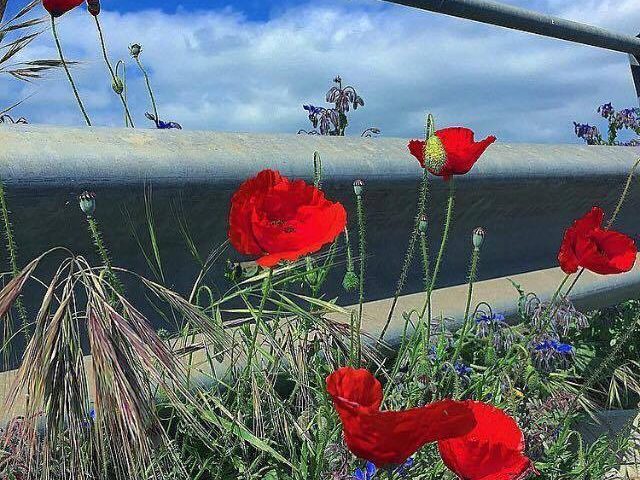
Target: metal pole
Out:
[635,71]
[516,18]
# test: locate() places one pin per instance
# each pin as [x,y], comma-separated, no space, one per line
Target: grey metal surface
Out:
[516,18]
[524,195]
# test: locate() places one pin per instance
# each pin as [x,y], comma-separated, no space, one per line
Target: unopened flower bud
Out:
[117,85]
[135,50]
[87,202]
[478,237]
[350,281]
[423,224]
[358,187]
[94,7]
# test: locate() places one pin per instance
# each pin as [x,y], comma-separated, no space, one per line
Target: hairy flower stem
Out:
[148,82]
[473,273]
[347,241]
[443,246]
[128,120]
[13,262]
[362,253]
[102,251]
[424,250]
[266,289]
[422,200]
[66,69]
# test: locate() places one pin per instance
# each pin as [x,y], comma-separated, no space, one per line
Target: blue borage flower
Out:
[462,370]
[549,351]
[370,471]
[495,324]
[161,125]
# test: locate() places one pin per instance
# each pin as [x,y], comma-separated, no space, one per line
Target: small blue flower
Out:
[92,413]
[368,473]
[462,370]
[563,348]
[402,469]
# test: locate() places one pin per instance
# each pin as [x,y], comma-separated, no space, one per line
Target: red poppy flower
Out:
[451,151]
[587,244]
[280,219]
[492,450]
[389,438]
[60,7]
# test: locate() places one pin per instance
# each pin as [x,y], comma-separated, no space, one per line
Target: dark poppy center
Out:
[283,225]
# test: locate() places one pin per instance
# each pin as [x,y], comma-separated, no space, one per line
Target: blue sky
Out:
[250,65]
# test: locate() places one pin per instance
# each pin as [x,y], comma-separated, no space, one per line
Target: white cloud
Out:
[218,70]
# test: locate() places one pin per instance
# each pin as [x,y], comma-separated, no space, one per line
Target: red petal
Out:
[462,150]
[60,7]
[390,438]
[416,147]
[492,450]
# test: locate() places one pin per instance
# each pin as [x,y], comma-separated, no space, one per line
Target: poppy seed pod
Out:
[478,237]
[435,154]
[87,202]
[94,7]
[135,50]
[423,224]
[117,85]
[358,187]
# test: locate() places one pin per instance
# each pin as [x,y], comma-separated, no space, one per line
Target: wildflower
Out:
[458,148]
[58,8]
[493,449]
[135,50]
[93,6]
[606,110]
[388,438]
[462,370]
[561,316]
[588,133]
[87,201]
[628,118]
[548,352]
[586,244]
[162,125]
[278,219]
[368,473]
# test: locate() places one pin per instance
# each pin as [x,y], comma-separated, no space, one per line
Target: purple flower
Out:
[588,133]
[548,352]
[606,110]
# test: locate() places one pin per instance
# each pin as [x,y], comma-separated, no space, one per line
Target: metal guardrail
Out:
[516,18]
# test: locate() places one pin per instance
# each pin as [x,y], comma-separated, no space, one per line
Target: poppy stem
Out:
[443,245]
[102,251]
[66,69]
[362,253]
[473,273]
[422,200]
[546,316]
[266,289]
[150,90]
[114,78]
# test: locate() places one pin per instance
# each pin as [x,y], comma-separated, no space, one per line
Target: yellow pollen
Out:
[434,154]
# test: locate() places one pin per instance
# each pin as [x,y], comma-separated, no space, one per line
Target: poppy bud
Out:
[435,154]
[478,237]
[135,50]
[117,85]
[94,7]
[422,225]
[358,187]
[87,202]
[350,281]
